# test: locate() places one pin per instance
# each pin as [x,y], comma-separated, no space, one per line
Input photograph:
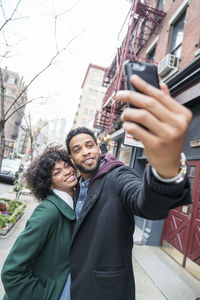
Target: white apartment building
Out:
[91,98]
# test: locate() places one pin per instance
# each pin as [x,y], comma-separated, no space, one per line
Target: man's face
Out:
[85,154]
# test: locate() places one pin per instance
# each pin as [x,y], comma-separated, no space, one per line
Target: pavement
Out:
[157,276]
[171,279]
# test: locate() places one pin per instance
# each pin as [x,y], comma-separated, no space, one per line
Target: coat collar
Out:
[90,201]
[62,206]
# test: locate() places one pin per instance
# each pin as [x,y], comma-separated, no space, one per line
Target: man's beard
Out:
[88,171]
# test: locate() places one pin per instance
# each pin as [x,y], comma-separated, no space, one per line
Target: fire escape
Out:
[144,21]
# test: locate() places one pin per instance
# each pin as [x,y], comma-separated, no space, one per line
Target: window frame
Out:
[173,20]
[152,47]
[173,48]
[160,4]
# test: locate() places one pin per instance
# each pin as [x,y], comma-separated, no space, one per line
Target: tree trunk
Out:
[2,122]
[2,143]
[31,147]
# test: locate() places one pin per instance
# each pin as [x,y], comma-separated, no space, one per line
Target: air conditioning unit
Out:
[168,64]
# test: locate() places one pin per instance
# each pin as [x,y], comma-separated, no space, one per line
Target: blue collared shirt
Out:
[79,205]
[82,196]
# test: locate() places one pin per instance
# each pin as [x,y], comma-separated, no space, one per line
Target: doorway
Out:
[181,230]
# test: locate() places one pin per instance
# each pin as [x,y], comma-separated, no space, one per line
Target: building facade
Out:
[45,133]
[13,98]
[57,131]
[22,141]
[91,97]
[165,33]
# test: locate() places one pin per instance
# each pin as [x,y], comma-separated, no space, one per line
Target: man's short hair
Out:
[76,131]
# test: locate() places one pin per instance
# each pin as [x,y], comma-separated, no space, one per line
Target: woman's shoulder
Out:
[45,210]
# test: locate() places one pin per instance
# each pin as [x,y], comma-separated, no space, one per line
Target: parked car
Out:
[10,170]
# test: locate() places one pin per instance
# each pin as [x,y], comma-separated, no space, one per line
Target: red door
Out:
[192,259]
[181,231]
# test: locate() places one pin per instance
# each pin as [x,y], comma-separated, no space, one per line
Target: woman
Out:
[38,264]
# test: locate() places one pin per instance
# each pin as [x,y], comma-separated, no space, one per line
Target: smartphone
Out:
[147,71]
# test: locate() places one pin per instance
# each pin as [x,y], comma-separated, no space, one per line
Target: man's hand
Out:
[167,122]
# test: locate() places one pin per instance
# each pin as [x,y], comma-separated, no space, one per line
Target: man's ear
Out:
[99,149]
[71,159]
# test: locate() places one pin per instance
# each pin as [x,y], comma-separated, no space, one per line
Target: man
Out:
[110,194]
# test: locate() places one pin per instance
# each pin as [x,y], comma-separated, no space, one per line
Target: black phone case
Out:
[147,71]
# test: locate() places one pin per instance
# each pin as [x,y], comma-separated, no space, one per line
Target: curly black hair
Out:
[76,131]
[38,175]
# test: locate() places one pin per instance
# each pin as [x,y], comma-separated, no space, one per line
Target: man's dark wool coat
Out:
[102,240]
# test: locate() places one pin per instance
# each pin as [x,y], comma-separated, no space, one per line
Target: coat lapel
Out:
[63,207]
[90,201]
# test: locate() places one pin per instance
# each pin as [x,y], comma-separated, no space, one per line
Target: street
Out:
[4,188]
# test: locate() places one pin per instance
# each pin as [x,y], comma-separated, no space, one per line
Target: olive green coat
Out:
[38,264]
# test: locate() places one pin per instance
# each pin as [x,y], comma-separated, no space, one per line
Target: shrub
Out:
[9,211]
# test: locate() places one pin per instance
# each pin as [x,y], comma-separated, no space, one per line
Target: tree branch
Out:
[5,55]
[11,16]
[55,16]
[20,107]
[42,71]
[2,9]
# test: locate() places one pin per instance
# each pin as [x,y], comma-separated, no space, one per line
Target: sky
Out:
[89,29]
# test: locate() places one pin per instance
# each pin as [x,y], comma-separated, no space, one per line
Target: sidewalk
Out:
[7,242]
[173,281]
[157,276]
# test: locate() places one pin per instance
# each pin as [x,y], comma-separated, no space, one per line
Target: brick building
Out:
[13,86]
[167,33]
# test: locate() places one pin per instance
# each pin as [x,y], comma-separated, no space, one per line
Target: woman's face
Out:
[63,177]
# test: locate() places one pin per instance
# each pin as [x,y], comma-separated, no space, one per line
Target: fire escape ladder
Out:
[149,20]
[144,20]
[125,48]
[102,117]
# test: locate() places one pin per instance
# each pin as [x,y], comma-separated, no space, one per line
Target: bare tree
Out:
[16,105]
[33,132]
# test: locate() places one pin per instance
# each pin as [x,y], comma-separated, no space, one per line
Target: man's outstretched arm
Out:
[167,122]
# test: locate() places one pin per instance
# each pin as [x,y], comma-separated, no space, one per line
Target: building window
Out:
[6,78]
[88,102]
[102,95]
[90,92]
[160,4]
[151,55]
[98,83]
[124,153]
[91,113]
[86,111]
[95,82]
[92,82]
[97,74]
[11,79]
[83,122]
[93,93]
[96,93]
[93,103]
[176,37]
